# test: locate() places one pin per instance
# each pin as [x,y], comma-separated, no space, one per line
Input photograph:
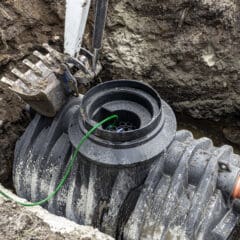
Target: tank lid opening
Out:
[137,105]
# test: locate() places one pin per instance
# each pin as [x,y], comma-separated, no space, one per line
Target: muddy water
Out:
[206,128]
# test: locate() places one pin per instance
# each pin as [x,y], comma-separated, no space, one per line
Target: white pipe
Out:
[75,23]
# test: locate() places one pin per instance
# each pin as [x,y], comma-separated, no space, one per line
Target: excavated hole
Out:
[14,128]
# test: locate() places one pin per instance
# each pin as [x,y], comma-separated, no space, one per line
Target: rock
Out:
[4,59]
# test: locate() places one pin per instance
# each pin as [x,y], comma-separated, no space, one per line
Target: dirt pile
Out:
[25,25]
[36,223]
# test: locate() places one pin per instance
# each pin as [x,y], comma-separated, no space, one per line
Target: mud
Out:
[25,25]
[20,223]
[17,224]
[221,133]
[188,50]
[13,120]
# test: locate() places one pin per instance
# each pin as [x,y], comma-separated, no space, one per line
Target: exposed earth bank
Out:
[25,25]
[187,49]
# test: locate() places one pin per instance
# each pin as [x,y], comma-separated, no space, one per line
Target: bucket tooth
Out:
[7,81]
[43,58]
[53,61]
[35,78]
[21,76]
[31,65]
[55,54]
[43,67]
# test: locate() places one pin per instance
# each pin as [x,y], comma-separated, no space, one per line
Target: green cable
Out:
[68,170]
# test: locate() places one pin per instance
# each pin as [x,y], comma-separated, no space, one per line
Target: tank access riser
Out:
[139,179]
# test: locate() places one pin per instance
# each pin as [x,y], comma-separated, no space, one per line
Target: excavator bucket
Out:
[46,83]
[39,86]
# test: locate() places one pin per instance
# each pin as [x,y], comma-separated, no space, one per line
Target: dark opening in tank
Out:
[127,120]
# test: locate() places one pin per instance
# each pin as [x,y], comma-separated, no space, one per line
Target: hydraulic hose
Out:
[68,169]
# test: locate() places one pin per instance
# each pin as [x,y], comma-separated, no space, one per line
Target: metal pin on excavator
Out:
[48,82]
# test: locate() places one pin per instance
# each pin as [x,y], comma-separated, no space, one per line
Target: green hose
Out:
[68,170]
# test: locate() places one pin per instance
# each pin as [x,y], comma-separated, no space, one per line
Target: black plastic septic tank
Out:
[135,177]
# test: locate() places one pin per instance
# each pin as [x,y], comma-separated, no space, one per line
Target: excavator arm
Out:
[55,75]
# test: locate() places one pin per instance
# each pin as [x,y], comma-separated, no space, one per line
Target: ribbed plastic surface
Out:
[169,207]
[183,193]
